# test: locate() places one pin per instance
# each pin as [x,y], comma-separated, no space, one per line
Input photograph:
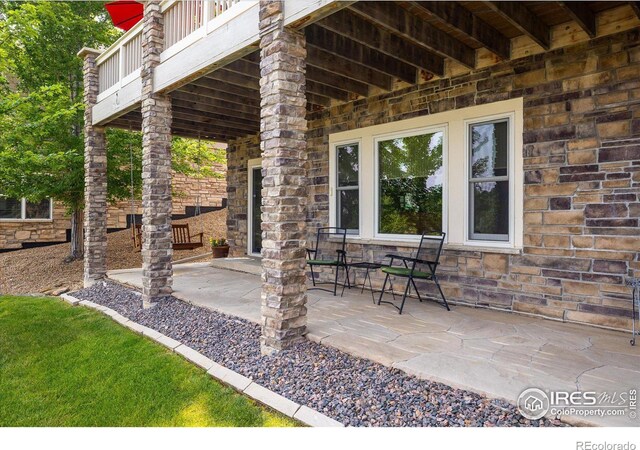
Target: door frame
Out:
[252,164]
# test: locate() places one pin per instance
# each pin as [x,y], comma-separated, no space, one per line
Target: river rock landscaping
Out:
[354,391]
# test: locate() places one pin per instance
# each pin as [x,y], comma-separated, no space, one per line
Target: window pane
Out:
[410,184]
[348,209]
[348,165]
[491,209]
[10,208]
[40,210]
[489,149]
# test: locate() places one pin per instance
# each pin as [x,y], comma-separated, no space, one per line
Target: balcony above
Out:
[200,35]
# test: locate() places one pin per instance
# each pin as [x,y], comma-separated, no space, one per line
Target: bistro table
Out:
[368,266]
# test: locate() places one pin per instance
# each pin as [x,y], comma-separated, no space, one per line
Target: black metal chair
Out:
[422,267]
[329,252]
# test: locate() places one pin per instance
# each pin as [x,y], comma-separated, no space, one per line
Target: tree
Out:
[41,110]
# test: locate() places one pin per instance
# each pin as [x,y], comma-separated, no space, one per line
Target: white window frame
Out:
[407,133]
[252,164]
[511,157]
[455,162]
[333,175]
[23,213]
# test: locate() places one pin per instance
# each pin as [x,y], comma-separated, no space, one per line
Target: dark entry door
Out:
[256,203]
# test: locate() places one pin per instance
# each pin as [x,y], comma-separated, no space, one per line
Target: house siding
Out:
[581,150]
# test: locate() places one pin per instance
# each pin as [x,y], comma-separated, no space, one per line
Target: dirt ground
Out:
[43,270]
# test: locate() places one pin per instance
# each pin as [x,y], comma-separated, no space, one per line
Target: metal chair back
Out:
[428,253]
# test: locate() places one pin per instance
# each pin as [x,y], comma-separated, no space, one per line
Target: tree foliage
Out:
[41,108]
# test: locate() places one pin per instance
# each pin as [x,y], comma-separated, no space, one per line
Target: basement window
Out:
[22,209]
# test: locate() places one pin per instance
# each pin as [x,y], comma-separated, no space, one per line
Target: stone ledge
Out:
[69,299]
[195,357]
[227,376]
[271,399]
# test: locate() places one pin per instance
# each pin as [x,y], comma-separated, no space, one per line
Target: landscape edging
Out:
[237,381]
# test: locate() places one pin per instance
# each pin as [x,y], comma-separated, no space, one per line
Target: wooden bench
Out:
[182,238]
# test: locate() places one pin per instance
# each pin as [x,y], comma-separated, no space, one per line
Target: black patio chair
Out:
[329,252]
[422,267]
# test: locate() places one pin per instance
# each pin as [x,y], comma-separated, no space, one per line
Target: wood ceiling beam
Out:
[469,24]
[332,79]
[328,91]
[215,83]
[401,22]
[218,125]
[581,14]
[320,100]
[323,59]
[225,108]
[636,8]
[235,79]
[524,20]
[335,44]
[203,88]
[363,31]
[214,113]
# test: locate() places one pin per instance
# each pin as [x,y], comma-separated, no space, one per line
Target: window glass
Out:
[348,165]
[489,150]
[491,208]
[10,208]
[411,178]
[348,192]
[38,210]
[489,181]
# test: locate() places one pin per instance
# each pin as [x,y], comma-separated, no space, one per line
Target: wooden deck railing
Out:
[183,19]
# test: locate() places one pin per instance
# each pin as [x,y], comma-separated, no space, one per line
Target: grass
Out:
[65,366]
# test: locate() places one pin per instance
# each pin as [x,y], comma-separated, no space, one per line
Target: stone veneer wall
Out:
[582,179]
[212,193]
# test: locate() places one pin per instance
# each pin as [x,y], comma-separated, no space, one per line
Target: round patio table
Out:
[368,266]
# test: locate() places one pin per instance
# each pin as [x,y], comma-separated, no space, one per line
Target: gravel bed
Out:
[354,391]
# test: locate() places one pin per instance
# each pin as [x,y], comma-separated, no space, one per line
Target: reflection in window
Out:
[411,177]
[489,181]
[10,208]
[38,210]
[347,187]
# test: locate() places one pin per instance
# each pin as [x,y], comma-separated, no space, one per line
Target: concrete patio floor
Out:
[494,353]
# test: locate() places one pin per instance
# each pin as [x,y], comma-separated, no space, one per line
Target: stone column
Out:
[95,177]
[157,251]
[283,145]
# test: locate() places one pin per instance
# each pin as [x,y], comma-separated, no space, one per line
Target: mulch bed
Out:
[43,270]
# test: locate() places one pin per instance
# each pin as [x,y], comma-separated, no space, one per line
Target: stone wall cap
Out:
[84,51]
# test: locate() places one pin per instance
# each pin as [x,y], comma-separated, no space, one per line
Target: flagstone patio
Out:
[491,352]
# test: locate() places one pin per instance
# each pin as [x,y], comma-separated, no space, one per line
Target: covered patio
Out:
[487,351]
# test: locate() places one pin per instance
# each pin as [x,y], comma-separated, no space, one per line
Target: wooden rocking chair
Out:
[182,239]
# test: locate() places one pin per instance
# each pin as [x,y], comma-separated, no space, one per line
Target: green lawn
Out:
[65,366]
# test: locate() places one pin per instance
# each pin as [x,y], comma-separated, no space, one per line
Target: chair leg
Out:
[406,292]
[313,278]
[416,288]
[335,282]
[344,285]
[446,305]
[384,286]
